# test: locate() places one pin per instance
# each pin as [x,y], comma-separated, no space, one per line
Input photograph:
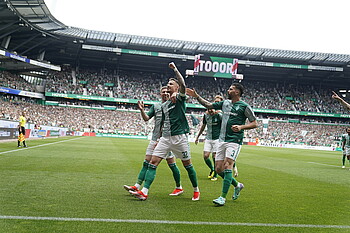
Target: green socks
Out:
[176,173]
[142,173]
[192,175]
[150,175]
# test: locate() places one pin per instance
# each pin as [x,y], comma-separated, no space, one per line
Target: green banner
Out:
[219,67]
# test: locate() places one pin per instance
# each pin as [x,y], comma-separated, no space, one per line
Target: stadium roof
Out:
[28,28]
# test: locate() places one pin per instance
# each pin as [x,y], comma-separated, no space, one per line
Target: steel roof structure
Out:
[29,29]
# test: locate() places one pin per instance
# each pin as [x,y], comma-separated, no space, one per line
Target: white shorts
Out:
[177,144]
[211,145]
[227,150]
[152,145]
[346,151]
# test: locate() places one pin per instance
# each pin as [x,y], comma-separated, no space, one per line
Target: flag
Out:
[197,59]
[234,66]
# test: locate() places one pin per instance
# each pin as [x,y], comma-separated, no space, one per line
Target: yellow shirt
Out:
[22,121]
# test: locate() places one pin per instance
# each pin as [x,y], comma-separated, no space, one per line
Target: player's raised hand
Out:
[172,65]
[335,96]
[191,92]
[140,105]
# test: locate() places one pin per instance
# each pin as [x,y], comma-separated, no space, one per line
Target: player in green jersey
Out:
[211,121]
[174,136]
[156,112]
[346,146]
[235,113]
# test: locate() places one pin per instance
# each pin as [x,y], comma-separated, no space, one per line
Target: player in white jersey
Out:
[174,136]
[156,112]
[211,121]
[346,146]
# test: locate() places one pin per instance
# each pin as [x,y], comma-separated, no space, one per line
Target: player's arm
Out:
[341,101]
[343,145]
[202,101]
[200,132]
[251,118]
[180,79]
[141,106]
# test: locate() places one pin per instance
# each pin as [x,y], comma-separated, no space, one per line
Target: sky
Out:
[301,25]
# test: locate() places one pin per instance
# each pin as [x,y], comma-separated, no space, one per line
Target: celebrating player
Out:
[156,112]
[211,120]
[235,112]
[174,136]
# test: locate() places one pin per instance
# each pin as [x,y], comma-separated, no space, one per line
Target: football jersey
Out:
[213,123]
[346,138]
[156,112]
[174,118]
[233,114]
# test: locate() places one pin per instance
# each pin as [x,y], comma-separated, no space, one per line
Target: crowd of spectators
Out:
[307,131]
[146,86]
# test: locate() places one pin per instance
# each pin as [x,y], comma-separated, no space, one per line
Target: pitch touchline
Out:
[171,222]
[26,148]
[324,164]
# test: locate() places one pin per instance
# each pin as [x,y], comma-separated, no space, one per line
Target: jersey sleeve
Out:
[249,113]
[218,105]
[151,112]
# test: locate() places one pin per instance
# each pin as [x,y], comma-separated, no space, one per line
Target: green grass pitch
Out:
[83,177]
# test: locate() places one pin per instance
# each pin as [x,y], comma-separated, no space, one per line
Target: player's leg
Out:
[206,156]
[24,136]
[214,178]
[145,164]
[159,153]
[235,170]
[181,148]
[176,174]
[141,176]
[219,168]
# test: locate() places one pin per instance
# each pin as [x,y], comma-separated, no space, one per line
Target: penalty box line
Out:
[4,217]
[32,147]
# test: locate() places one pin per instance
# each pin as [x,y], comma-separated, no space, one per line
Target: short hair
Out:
[175,80]
[239,87]
[346,130]
[219,97]
[163,87]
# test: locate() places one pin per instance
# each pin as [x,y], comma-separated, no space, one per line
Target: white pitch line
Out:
[26,148]
[324,164]
[171,222]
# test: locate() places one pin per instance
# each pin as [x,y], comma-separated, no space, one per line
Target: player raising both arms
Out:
[174,136]
[156,112]
[235,113]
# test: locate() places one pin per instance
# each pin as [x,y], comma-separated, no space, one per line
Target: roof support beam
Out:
[26,41]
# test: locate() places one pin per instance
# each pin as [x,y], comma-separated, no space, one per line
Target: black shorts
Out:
[22,130]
